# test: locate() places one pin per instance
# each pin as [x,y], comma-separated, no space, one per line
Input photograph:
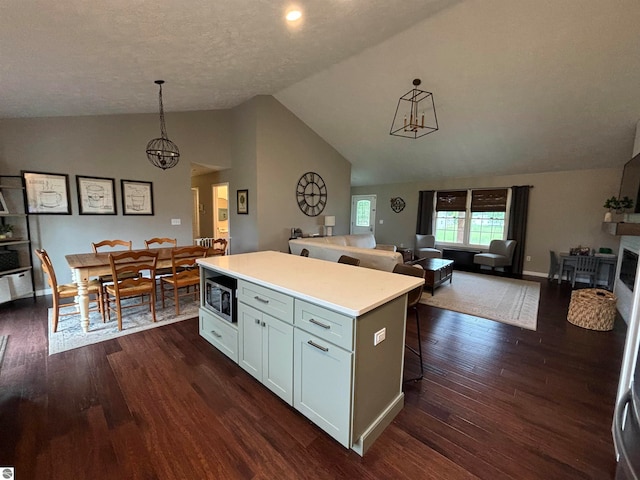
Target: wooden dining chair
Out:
[134,275]
[67,290]
[413,298]
[158,242]
[109,245]
[185,274]
[218,247]
[349,260]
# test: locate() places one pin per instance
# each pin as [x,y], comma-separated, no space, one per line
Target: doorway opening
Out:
[220,196]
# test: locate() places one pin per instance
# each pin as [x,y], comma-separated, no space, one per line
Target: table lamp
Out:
[329,223]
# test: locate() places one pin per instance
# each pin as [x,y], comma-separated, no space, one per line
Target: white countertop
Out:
[344,288]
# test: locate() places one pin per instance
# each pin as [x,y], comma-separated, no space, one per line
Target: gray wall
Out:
[565,209]
[271,150]
[111,146]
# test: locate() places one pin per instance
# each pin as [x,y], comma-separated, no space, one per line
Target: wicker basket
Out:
[592,308]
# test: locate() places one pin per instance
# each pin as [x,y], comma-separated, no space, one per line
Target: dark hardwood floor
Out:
[496,402]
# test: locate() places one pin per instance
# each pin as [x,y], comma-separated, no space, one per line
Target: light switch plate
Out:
[379,336]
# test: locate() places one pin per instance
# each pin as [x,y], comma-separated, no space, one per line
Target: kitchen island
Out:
[327,338]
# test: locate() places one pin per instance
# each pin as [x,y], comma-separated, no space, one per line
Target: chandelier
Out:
[415,114]
[162,152]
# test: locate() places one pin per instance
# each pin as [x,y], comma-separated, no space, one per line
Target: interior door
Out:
[363,214]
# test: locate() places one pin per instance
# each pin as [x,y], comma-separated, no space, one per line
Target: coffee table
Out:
[437,271]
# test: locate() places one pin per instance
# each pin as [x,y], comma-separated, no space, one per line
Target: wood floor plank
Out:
[496,402]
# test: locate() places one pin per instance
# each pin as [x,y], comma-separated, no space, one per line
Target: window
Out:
[471,217]
[363,209]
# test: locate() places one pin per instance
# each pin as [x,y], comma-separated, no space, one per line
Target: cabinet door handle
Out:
[263,300]
[215,334]
[319,347]
[257,320]
[320,324]
[263,324]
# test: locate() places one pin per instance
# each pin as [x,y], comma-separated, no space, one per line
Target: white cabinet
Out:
[266,350]
[265,343]
[322,385]
[220,333]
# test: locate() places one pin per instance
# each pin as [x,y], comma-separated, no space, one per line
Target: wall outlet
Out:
[528,258]
[379,336]
[381,222]
[175,221]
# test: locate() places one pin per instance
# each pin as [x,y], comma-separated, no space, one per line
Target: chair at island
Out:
[413,298]
[346,259]
[68,290]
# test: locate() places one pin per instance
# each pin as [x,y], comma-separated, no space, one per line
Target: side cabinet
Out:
[220,333]
[265,342]
[322,390]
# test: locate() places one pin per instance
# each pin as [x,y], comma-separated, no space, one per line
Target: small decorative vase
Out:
[608,217]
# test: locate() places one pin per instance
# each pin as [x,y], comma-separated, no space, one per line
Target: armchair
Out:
[500,254]
[426,247]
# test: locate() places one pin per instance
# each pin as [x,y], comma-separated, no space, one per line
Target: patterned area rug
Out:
[134,319]
[504,300]
[3,347]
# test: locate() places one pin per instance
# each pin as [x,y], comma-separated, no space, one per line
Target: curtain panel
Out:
[518,225]
[425,213]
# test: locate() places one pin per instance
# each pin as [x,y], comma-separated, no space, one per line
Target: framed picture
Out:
[137,197]
[243,202]
[96,195]
[3,205]
[47,193]
[223,214]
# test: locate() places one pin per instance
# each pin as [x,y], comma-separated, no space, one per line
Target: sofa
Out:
[363,247]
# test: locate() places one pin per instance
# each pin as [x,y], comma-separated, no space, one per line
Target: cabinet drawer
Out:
[330,326]
[220,333]
[266,300]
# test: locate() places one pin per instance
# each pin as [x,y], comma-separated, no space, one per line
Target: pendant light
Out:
[415,114]
[162,152]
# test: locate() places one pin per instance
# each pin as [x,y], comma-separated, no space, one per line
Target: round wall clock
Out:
[311,194]
[397,204]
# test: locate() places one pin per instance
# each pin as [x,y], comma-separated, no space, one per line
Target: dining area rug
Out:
[134,319]
[506,300]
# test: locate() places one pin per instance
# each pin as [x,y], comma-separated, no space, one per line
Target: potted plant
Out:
[6,230]
[618,205]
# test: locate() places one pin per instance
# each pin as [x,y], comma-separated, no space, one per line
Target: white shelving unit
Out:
[16,280]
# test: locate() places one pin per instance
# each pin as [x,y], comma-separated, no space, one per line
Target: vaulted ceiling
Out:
[520,87]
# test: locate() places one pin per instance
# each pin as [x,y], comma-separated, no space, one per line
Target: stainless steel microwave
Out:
[220,297]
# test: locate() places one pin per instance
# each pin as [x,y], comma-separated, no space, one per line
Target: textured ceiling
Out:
[526,86]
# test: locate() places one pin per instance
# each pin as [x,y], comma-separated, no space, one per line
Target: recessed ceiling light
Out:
[293,15]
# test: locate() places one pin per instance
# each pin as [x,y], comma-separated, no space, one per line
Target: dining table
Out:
[609,260]
[84,266]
